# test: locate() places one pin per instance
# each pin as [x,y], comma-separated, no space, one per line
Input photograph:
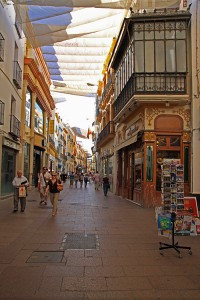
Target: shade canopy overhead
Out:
[76,36]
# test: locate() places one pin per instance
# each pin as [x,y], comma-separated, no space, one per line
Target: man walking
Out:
[43,180]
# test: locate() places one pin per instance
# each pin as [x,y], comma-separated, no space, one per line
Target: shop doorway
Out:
[160,156]
[36,166]
[8,170]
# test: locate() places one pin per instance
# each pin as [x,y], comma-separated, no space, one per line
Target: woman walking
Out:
[54,189]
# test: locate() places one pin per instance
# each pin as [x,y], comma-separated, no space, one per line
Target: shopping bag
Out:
[59,187]
[22,192]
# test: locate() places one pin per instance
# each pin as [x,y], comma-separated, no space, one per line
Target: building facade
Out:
[152,102]
[11,73]
[36,110]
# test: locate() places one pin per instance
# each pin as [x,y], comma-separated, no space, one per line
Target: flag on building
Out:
[88,133]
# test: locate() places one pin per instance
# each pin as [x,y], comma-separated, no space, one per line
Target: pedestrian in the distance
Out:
[43,180]
[20,184]
[106,184]
[52,188]
[71,179]
[85,179]
[81,178]
[97,180]
[76,179]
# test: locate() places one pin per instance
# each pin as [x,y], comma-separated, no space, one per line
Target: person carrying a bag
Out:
[20,184]
[54,187]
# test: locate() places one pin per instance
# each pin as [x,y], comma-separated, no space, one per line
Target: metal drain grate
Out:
[46,257]
[80,241]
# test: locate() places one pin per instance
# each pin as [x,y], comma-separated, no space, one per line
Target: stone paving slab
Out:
[127,265]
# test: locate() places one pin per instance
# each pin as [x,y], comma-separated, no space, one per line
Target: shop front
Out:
[140,157]
[8,166]
[107,164]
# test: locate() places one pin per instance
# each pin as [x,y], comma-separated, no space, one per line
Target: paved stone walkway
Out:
[38,259]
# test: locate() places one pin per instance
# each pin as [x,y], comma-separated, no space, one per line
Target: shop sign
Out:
[133,130]
[51,127]
[10,144]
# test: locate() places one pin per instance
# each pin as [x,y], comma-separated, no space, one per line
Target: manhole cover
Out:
[80,241]
[45,256]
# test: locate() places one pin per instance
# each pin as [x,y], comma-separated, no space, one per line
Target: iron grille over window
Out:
[17,76]
[2,42]
[14,126]
[18,25]
[2,106]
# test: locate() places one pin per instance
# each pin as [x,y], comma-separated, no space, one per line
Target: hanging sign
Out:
[51,127]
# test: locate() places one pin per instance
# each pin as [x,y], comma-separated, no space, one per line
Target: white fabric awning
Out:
[75,36]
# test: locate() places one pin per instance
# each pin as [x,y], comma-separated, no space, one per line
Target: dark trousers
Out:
[105,189]
[17,199]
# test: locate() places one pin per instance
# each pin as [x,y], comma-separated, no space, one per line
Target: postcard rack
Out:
[172,194]
[173,245]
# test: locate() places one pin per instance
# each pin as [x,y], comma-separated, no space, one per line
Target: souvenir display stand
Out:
[175,246]
[172,194]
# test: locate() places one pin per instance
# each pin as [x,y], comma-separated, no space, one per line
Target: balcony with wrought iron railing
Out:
[51,141]
[106,134]
[17,75]
[2,107]
[14,126]
[149,84]
[107,88]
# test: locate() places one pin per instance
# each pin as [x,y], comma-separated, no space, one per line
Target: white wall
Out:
[7,88]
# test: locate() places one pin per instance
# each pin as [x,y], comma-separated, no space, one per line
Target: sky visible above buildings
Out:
[78,111]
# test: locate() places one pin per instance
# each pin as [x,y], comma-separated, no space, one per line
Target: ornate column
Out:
[22,127]
[45,135]
[32,136]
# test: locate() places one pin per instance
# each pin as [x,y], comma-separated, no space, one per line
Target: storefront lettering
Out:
[132,130]
[10,144]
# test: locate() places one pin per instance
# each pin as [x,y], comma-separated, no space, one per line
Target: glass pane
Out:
[186,164]
[170,30]
[160,56]
[170,56]
[139,57]
[26,159]
[149,31]
[149,162]
[161,141]
[39,119]
[180,32]
[175,141]
[159,31]
[149,56]
[181,56]
[28,108]
[138,31]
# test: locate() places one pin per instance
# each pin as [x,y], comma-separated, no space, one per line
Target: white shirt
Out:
[97,177]
[17,181]
[44,178]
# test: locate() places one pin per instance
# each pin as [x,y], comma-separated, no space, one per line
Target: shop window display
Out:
[138,170]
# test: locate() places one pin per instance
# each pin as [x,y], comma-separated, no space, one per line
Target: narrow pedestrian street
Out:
[96,247]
